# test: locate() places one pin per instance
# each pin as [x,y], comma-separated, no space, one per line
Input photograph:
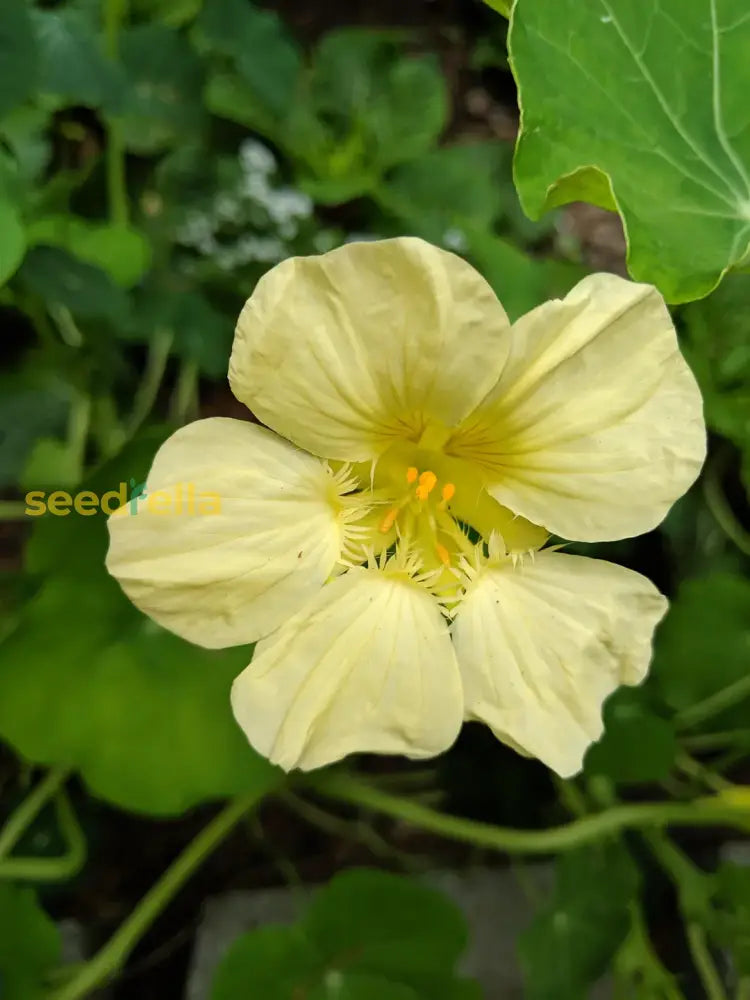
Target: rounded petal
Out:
[344,351]
[368,666]
[541,646]
[595,426]
[236,530]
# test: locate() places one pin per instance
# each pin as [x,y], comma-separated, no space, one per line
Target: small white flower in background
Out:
[383,538]
[256,158]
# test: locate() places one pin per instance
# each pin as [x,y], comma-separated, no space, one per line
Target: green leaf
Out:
[72,63]
[18,55]
[572,941]
[264,53]
[34,401]
[717,346]
[396,927]
[637,746]
[165,82]
[732,917]
[29,944]
[201,333]
[25,131]
[122,251]
[398,103]
[448,188]
[51,463]
[368,935]
[88,682]
[355,986]
[12,240]
[702,645]
[501,6]
[518,280]
[275,960]
[173,13]
[60,278]
[654,103]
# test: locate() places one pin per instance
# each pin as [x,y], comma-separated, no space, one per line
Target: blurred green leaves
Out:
[360,107]
[87,682]
[12,240]
[368,935]
[651,106]
[572,941]
[164,83]
[73,66]
[29,944]
[121,251]
[702,649]
[717,345]
[18,55]
[639,744]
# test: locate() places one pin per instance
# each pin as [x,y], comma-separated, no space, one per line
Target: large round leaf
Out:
[642,107]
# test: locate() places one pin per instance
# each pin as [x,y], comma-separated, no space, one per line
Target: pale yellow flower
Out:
[383,540]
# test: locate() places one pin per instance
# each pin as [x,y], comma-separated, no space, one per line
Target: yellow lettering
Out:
[59,503]
[209,503]
[121,496]
[35,503]
[86,503]
[159,502]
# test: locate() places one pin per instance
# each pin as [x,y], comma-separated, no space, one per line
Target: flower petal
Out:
[541,646]
[344,351]
[255,547]
[595,426]
[368,666]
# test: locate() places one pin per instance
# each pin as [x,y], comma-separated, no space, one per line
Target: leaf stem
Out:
[719,506]
[714,704]
[708,811]
[113,955]
[19,821]
[184,402]
[146,393]
[114,15]
[704,963]
[52,869]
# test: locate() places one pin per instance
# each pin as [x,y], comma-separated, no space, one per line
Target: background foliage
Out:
[155,159]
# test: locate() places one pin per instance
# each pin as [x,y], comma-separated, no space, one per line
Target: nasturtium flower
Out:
[382,538]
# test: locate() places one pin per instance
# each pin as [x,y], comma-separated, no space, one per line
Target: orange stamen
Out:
[443,554]
[411,474]
[448,492]
[427,483]
[389,520]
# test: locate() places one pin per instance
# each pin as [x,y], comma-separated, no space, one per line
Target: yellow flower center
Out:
[421,516]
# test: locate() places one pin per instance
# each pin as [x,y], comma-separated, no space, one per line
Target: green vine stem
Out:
[113,955]
[52,869]
[156,363]
[719,506]
[694,889]
[704,963]
[19,821]
[114,15]
[731,695]
[184,401]
[714,811]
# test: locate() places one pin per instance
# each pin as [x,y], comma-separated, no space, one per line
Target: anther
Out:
[426,485]
[389,519]
[411,474]
[448,492]
[443,554]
